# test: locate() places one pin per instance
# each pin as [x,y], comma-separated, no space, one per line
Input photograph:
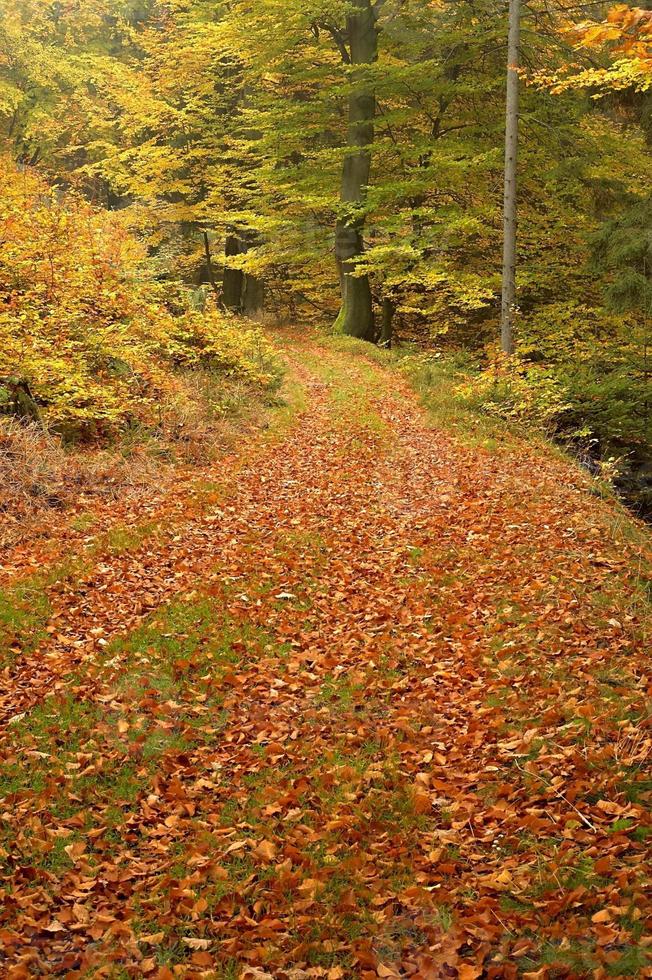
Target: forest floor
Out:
[369,699]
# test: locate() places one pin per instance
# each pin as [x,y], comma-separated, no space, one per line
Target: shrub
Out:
[213,339]
[83,324]
[601,358]
[518,392]
[582,373]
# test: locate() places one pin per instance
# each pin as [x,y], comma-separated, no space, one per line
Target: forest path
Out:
[373,705]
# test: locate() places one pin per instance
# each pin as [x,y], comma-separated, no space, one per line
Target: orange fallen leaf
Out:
[603,916]
[467,971]
[266,850]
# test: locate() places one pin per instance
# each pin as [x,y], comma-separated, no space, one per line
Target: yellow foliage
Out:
[518,391]
[83,322]
[214,338]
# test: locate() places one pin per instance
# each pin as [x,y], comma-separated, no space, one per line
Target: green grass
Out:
[82,522]
[339,692]
[289,405]
[24,613]
[180,652]
[25,608]
[626,960]
[121,540]
[354,399]
[434,380]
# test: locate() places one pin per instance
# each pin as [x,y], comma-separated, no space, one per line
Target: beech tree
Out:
[359,48]
[510,217]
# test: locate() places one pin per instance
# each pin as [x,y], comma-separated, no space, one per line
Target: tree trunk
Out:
[356,317]
[387,329]
[209,264]
[233,283]
[511,178]
[254,295]
[22,404]
[241,292]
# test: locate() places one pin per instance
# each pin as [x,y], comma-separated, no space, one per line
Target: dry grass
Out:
[32,466]
[38,474]
[204,415]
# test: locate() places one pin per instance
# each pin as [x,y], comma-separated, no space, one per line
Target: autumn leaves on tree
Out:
[344,161]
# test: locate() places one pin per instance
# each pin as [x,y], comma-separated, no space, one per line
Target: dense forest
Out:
[334,163]
[325,486]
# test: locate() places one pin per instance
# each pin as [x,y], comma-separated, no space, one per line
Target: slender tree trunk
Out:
[253,295]
[356,315]
[242,293]
[233,284]
[387,329]
[511,178]
[209,265]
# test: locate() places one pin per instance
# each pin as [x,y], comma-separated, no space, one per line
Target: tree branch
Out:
[338,37]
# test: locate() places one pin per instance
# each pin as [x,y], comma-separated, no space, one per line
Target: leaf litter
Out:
[380,708]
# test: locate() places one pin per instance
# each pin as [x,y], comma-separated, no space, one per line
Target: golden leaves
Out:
[84,322]
[627,33]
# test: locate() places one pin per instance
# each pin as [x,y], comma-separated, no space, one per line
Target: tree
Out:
[511,178]
[58,64]
[226,131]
[356,317]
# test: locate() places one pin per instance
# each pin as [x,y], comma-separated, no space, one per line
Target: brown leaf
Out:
[602,916]
[266,851]
[194,943]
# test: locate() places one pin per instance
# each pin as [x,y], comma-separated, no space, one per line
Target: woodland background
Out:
[172,169]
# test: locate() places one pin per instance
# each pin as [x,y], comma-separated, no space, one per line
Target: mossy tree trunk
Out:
[356,317]
[254,295]
[21,404]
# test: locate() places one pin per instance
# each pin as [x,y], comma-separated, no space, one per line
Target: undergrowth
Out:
[203,415]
